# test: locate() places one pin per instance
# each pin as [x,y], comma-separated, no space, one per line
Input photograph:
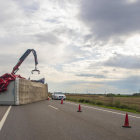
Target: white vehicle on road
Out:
[58,95]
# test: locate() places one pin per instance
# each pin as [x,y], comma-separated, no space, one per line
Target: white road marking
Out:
[53,107]
[4,117]
[104,110]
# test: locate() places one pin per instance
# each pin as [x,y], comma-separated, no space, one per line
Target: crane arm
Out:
[23,57]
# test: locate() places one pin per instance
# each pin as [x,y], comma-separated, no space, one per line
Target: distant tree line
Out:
[136,94]
[118,95]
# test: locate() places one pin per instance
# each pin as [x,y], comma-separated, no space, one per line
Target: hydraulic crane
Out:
[7,78]
[23,57]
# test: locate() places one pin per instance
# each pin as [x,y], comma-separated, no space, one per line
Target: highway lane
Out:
[107,119]
[51,120]
[3,110]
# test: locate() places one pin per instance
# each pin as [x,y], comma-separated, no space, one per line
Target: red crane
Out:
[7,78]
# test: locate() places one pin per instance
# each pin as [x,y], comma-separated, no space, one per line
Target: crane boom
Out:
[23,57]
[7,78]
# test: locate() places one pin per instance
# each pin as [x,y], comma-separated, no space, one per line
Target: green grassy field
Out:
[131,104]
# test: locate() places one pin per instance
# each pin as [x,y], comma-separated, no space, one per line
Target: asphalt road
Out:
[50,120]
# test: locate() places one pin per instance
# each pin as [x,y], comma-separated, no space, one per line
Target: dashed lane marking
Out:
[4,117]
[104,110]
[53,107]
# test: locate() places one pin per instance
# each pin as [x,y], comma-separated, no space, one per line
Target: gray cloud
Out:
[91,75]
[48,37]
[7,12]
[28,6]
[131,83]
[109,19]
[64,31]
[72,86]
[88,37]
[124,61]
[80,82]
[54,36]
[74,83]
[105,71]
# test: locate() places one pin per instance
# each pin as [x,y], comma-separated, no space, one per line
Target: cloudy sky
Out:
[82,45]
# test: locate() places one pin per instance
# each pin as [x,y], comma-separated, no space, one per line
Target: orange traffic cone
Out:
[79,110]
[48,97]
[126,123]
[62,100]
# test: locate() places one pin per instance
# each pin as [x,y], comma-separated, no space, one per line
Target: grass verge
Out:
[116,106]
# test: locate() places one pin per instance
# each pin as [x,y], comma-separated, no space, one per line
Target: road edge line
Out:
[4,117]
[103,110]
